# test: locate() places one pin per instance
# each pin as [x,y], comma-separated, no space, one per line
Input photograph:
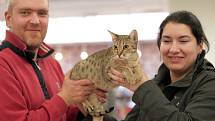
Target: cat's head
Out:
[125,46]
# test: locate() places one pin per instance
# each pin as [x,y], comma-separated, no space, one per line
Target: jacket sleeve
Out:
[14,106]
[156,107]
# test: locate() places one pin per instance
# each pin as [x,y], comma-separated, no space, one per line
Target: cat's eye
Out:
[125,46]
[115,47]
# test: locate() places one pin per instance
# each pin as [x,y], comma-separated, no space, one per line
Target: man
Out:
[31,81]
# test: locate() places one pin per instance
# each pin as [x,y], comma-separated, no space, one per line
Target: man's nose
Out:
[35,19]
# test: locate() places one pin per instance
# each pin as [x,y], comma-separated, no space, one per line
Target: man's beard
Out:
[33,46]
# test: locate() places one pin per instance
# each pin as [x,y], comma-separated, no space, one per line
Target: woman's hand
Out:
[101,95]
[119,80]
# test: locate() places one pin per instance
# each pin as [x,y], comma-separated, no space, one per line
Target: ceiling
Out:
[64,8]
[98,7]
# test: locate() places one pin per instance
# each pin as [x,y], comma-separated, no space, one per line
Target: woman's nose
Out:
[174,47]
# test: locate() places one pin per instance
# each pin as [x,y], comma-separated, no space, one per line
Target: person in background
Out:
[32,85]
[183,89]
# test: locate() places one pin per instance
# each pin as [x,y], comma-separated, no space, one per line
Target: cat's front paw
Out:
[96,110]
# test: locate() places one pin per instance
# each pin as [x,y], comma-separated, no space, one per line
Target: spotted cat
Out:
[122,56]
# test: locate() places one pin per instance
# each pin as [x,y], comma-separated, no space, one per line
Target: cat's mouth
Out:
[121,59]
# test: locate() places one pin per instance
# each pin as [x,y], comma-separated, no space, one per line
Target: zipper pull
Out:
[37,65]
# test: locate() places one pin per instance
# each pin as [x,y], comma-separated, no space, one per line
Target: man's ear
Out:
[7,16]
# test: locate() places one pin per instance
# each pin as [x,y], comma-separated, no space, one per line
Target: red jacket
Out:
[21,96]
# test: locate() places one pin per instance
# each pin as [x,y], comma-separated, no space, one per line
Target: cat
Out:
[122,56]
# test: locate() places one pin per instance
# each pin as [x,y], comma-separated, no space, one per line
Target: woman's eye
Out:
[166,40]
[184,40]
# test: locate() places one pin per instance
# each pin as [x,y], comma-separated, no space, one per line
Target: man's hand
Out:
[119,80]
[76,91]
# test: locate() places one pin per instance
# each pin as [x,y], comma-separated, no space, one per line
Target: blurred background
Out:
[78,28]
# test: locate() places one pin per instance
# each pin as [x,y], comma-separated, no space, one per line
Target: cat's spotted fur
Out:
[122,56]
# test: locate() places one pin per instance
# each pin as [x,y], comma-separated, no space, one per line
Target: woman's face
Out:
[179,48]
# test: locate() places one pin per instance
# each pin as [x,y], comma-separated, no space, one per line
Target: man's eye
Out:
[43,13]
[25,13]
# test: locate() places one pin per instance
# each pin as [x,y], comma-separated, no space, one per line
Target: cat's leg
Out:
[88,107]
[100,118]
[94,106]
[98,108]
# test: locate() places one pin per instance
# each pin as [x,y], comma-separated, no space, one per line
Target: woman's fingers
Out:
[117,77]
[101,95]
[115,72]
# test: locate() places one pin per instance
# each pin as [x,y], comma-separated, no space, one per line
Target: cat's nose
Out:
[120,54]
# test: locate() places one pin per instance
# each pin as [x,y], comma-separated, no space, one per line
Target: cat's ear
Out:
[133,35]
[112,34]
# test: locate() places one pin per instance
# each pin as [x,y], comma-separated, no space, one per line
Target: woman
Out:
[184,88]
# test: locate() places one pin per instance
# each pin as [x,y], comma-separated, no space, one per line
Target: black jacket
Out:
[189,99]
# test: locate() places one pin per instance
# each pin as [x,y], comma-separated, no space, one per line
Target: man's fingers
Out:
[83,82]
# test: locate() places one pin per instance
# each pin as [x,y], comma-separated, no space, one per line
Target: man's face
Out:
[28,19]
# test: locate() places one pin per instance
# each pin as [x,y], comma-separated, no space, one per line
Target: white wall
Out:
[205,11]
